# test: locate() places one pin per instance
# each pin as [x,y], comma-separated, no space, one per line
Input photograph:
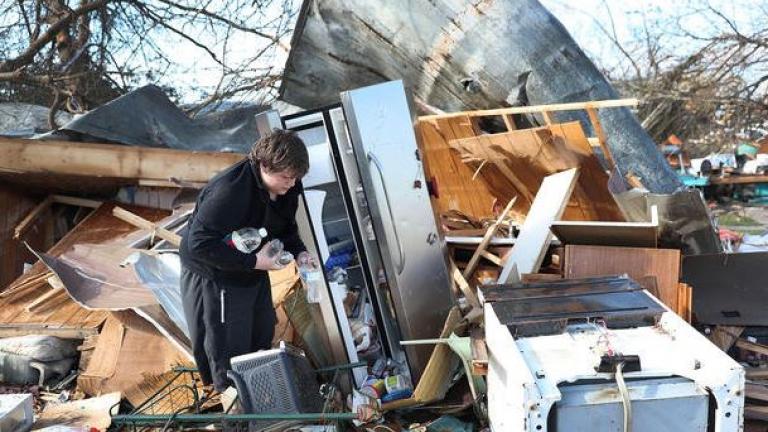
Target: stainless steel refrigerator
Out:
[366,195]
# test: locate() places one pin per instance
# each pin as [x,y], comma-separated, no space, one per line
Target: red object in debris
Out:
[726,234]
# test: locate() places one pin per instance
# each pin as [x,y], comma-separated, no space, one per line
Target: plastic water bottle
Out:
[277,248]
[246,240]
[312,278]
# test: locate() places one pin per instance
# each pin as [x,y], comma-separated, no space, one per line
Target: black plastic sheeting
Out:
[146,117]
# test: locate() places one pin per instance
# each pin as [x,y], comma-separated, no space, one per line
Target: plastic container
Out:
[312,278]
[246,240]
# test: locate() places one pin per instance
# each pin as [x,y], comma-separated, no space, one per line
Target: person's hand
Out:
[266,262]
[305,258]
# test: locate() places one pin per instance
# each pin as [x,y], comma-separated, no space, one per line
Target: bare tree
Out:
[77,54]
[701,73]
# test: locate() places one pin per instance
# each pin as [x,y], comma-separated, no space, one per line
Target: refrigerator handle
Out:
[401,255]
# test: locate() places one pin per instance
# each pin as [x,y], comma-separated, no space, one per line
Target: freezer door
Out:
[381,129]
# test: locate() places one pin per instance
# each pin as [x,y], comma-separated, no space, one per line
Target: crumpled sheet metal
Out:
[162,274]
[146,117]
[684,220]
[118,278]
[94,278]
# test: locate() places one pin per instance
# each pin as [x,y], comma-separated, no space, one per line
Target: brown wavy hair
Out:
[279,151]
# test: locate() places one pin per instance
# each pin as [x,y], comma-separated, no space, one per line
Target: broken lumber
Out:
[752,346]
[489,233]
[463,285]
[572,106]
[24,329]
[479,352]
[57,290]
[535,234]
[30,218]
[140,222]
[76,201]
[66,158]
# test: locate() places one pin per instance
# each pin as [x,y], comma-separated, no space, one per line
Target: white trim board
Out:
[535,235]
[628,234]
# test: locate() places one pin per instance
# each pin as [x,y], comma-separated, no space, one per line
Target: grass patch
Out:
[734,219]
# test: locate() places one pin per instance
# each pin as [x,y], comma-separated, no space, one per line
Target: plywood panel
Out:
[457,190]
[664,264]
[515,163]
[13,207]
[99,227]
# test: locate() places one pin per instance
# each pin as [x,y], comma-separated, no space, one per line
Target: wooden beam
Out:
[142,223]
[491,257]
[111,161]
[470,295]
[509,122]
[535,235]
[489,233]
[13,330]
[32,282]
[547,117]
[751,346]
[575,106]
[479,352]
[756,373]
[601,138]
[30,218]
[76,201]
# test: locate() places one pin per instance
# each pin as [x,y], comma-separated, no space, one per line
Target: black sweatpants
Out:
[226,320]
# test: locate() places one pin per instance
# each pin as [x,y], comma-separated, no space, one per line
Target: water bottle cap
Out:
[262,232]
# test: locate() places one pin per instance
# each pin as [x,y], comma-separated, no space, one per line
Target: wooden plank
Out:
[13,330]
[140,222]
[479,352]
[31,217]
[756,373]
[535,235]
[435,381]
[664,264]
[518,161]
[108,160]
[547,117]
[464,287]
[725,336]
[602,140]
[738,179]
[752,346]
[76,201]
[572,106]
[57,290]
[629,234]
[97,228]
[756,391]
[489,233]
[756,412]
[492,258]
[452,180]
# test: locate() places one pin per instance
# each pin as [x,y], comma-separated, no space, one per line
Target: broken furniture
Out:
[554,350]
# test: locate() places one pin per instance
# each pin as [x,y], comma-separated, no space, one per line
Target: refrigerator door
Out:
[381,129]
[370,256]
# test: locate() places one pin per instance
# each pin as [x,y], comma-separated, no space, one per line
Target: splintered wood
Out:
[60,311]
[470,169]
